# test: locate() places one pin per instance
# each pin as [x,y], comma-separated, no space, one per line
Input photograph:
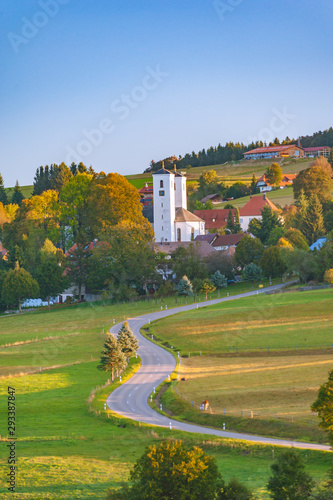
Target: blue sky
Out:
[118,83]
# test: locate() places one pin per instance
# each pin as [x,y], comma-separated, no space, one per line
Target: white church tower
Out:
[172,220]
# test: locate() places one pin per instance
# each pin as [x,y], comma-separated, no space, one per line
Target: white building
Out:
[172,220]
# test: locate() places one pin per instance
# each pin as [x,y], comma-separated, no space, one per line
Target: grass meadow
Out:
[259,361]
[68,448]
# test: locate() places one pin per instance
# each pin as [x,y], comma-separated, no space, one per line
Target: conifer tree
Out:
[313,224]
[237,226]
[3,194]
[219,280]
[112,359]
[17,197]
[185,286]
[230,223]
[127,341]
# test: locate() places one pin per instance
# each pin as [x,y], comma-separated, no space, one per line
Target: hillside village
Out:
[74,234]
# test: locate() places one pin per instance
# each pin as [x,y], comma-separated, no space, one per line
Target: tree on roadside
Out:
[219,280]
[184,287]
[289,481]
[207,287]
[324,406]
[271,262]
[252,273]
[18,285]
[112,359]
[127,341]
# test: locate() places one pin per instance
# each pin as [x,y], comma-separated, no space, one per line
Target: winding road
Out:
[131,398]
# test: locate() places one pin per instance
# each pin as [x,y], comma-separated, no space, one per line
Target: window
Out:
[161,184]
[192,233]
[161,193]
[161,205]
[179,234]
[162,228]
[161,216]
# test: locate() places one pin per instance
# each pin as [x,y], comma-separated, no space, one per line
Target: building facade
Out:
[172,220]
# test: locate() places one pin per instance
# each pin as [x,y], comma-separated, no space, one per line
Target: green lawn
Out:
[279,321]
[66,451]
[259,361]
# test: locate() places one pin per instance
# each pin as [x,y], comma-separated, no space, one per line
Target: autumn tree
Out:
[18,285]
[127,341]
[274,174]
[207,287]
[313,181]
[324,164]
[289,481]
[112,359]
[324,406]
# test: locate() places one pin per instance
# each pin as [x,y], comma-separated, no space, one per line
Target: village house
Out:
[226,241]
[252,210]
[213,198]
[264,185]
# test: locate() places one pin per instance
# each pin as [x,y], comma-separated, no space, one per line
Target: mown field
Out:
[259,362]
[66,451]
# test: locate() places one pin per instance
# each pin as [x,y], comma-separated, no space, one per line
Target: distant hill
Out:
[26,191]
[219,155]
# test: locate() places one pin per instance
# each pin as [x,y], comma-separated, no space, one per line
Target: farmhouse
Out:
[213,198]
[252,210]
[318,151]
[146,195]
[264,185]
[172,221]
[274,152]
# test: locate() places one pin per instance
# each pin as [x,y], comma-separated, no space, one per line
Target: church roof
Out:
[183,215]
[162,171]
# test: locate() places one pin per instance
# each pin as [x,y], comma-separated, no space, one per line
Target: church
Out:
[172,221]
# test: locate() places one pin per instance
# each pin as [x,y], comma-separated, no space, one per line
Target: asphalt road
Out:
[131,398]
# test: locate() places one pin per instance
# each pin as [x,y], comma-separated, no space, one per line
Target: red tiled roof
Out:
[146,189]
[269,149]
[254,206]
[214,219]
